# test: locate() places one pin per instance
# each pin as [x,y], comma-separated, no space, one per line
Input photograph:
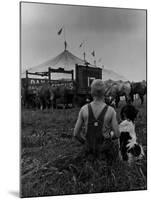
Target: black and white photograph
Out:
[83,99]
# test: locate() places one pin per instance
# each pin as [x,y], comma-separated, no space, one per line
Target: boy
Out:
[99,120]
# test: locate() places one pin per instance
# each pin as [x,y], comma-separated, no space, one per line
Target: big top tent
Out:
[68,60]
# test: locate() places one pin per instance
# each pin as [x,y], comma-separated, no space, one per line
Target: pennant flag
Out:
[60,31]
[93,53]
[81,44]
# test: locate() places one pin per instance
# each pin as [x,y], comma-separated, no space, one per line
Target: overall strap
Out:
[94,134]
[91,115]
[101,115]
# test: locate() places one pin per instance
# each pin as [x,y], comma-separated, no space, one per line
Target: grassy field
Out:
[52,162]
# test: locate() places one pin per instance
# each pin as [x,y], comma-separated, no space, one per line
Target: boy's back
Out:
[110,115]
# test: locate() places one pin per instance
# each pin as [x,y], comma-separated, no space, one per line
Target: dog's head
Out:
[129,112]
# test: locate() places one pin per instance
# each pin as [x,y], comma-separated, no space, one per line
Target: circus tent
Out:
[67,60]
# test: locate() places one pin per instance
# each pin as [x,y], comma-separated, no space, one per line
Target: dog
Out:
[130,149]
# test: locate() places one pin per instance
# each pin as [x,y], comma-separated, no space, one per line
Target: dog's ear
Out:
[124,137]
[122,113]
[132,112]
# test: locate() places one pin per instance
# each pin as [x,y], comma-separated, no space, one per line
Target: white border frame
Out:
[9,101]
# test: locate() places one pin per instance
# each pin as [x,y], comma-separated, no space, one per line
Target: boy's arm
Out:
[115,126]
[78,127]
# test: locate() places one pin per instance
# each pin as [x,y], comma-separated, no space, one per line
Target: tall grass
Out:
[52,163]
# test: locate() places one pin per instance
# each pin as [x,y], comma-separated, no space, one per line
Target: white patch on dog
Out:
[128,126]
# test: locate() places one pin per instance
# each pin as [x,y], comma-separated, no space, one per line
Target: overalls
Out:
[95,141]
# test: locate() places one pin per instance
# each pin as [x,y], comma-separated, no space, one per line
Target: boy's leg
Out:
[112,151]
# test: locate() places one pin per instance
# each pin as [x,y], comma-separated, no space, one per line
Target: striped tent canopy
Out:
[64,60]
[68,61]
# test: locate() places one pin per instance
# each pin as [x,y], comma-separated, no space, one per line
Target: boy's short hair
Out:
[97,88]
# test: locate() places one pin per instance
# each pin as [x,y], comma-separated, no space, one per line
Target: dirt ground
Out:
[53,163]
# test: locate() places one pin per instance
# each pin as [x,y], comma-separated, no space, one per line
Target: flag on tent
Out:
[93,53]
[60,31]
[81,44]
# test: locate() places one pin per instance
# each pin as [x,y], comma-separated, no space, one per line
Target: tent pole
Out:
[49,75]
[26,79]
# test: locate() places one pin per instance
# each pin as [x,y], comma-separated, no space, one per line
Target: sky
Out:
[118,36]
